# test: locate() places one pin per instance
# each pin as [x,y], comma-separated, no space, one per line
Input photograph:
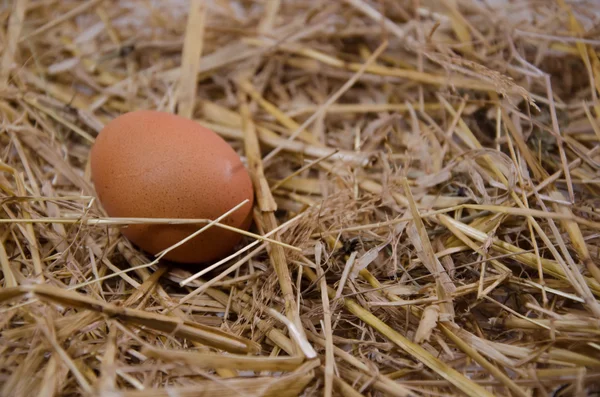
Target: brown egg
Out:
[150,164]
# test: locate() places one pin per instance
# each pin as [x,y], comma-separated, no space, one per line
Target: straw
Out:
[425,220]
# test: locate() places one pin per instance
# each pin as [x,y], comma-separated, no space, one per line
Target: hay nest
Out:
[427,174]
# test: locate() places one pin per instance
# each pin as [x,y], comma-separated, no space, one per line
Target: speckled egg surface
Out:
[150,164]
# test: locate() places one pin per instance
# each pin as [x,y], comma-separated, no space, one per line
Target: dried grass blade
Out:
[290,385]
[467,386]
[481,360]
[267,207]
[477,343]
[560,214]
[7,273]
[586,52]
[63,121]
[237,304]
[61,19]
[301,169]
[229,124]
[255,165]
[45,151]
[345,274]
[382,382]
[549,266]
[186,329]
[378,17]
[215,265]
[298,334]
[420,239]
[148,284]
[333,98]
[64,356]
[326,323]
[577,240]
[65,326]
[51,379]
[413,75]
[230,361]
[285,120]
[192,50]
[27,231]
[427,323]
[362,108]
[201,289]
[15,25]
[345,389]
[108,375]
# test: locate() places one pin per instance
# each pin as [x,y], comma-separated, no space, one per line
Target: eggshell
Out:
[150,164]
